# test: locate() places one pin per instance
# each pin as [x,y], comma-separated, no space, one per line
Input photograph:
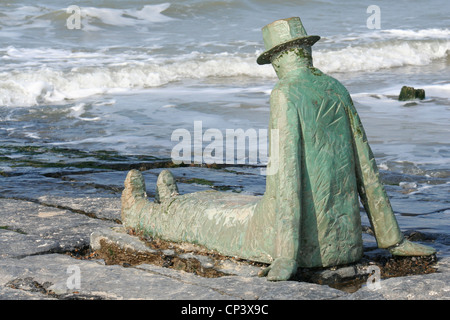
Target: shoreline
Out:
[47,222]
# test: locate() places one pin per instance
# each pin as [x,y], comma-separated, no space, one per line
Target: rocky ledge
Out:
[61,238]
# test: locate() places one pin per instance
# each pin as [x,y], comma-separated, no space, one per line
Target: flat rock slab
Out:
[254,288]
[105,208]
[55,273]
[434,286]
[28,228]
[7,293]
[17,244]
[51,276]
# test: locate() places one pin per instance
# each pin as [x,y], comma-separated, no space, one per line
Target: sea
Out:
[127,76]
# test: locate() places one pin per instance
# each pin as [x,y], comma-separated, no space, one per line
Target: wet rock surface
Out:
[61,220]
[124,247]
[410,93]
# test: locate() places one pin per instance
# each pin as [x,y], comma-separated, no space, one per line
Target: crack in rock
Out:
[31,285]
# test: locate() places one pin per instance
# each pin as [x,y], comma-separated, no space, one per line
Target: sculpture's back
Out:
[330,224]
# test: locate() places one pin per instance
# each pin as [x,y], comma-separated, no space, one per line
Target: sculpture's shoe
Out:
[408,248]
[166,186]
[134,189]
[281,269]
[133,193]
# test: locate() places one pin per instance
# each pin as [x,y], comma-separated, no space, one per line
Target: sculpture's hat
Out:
[284,34]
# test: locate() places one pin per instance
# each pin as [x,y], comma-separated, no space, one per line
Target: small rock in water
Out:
[409,93]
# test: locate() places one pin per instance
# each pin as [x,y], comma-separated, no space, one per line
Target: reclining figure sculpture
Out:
[309,215]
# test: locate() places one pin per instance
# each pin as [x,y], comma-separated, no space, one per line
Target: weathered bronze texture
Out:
[309,215]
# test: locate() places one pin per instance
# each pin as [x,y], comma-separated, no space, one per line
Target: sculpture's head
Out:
[282,35]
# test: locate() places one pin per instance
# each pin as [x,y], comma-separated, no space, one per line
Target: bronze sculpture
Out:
[309,215]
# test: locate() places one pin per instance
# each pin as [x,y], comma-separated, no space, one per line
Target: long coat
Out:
[325,162]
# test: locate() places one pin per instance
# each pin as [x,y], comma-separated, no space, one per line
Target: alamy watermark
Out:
[74,20]
[374,280]
[74,280]
[189,148]
[374,20]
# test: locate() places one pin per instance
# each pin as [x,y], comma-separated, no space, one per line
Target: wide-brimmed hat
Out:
[284,34]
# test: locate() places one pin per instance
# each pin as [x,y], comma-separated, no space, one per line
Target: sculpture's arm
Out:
[374,197]
[283,186]
[371,190]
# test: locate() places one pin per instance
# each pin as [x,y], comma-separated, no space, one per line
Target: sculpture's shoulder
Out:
[334,86]
[312,82]
[290,84]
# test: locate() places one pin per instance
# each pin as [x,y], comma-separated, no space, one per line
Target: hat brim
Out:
[266,56]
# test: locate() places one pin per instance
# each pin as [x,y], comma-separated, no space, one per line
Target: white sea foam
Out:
[390,34]
[20,15]
[50,75]
[438,90]
[381,55]
[126,17]
[78,110]
[47,85]
[433,33]
[42,16]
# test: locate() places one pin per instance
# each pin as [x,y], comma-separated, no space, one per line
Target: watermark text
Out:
[235,146]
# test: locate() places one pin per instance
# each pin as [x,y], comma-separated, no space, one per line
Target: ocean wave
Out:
[126,17]
[389,34]
[47,85]
[430,33]
[55,75]
[90,17]
[380,55]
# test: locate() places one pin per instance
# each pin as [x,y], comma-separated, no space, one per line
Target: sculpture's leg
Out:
[220,221]
[166,186]
[374,197]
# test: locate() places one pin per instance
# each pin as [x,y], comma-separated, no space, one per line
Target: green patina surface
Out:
[321,167]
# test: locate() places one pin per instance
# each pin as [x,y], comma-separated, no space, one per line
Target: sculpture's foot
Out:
[134,188]
[166,186]
[281,269]
[133,192]
[408,248]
